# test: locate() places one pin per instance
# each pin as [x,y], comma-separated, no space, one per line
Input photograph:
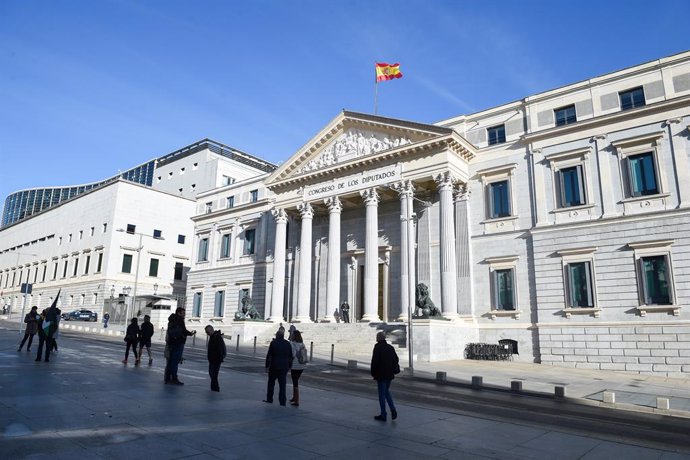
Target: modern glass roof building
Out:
[25,203]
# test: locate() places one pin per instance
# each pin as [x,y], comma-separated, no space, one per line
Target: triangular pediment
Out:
[350,136]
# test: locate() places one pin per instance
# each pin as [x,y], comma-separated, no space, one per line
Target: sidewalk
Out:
[634,392]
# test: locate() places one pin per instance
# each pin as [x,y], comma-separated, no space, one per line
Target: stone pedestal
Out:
[439,340]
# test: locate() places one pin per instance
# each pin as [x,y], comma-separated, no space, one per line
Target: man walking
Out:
[145,334]
[278,363]
[215,353]
[384,366]
[31,320]
[175,340]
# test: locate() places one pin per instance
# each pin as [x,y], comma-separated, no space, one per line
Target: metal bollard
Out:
[559,392]
[237,347]
[194,340]
[254,344]
[311,351]
[332,352]
[477,382]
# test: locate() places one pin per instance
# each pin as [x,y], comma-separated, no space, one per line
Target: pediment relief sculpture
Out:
[352,144]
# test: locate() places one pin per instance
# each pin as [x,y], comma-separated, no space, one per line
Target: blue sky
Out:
[89,87]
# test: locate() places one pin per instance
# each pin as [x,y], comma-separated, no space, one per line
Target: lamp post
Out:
[136,271]
[125,291]
[21,323]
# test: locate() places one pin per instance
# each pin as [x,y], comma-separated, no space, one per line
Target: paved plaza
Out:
[86,404]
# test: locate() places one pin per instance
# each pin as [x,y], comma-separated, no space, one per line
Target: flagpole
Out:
[376,90]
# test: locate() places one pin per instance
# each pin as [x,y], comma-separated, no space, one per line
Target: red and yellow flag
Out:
[387,71]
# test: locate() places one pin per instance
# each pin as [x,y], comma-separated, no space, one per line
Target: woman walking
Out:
[384,366]
[299,363]
[31,320]
[131,339]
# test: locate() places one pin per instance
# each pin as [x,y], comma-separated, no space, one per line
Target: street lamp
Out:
[138,249]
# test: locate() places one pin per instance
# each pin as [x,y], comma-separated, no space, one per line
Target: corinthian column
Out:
[371,256]
[276,313]
[407,258]
[335,207]
[449,292]
[304,279]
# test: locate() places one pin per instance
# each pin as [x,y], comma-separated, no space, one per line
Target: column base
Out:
[301,319]
[275,319]
[451,315]
[370,319]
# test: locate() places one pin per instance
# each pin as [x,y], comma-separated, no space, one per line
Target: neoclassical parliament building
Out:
[559,222]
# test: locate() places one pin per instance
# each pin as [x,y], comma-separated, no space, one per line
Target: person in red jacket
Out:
[384,366]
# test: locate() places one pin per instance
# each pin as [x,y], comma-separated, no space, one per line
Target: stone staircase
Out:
[350,341]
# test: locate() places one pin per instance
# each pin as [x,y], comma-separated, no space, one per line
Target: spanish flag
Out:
[387,71]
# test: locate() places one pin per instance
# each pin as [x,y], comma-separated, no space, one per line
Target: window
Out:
[196,305]
[208,207]
[181,171]
[655,275]
[225,246]
[253,196]
[193,187]
[642,175]
[565,115]
[158,234]
[35,274]
[180,239]
[194,166]
[69,238]
[571,186]
[219,305]
[249,241]
[105,228]
[127,263]
[131,228]
[230,202]
[81,234]
[178,271]
[227,180]
[496,134]
[99,266]
[55,269]
[579,284]
[504,295]
[499,199]
[203,250]
[64,269]
[86,265]
[632,98]
[59,240]
[43,277]
[153,267]
[91,232]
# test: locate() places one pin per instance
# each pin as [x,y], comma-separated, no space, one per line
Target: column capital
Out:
[306,211]
[462,192]
[279,215]
[405,188]
[445,181]
[370,196]
[334,204]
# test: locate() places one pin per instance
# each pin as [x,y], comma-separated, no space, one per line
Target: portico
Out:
[355,194]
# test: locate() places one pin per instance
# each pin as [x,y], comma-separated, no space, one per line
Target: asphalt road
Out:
[85,403]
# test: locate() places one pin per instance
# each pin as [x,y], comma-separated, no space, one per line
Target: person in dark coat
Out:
[145,334]
[345,312]
[215,353]
[132,339]
[175,339]
[49,318]
[278,363]
[384,366]
[31,320]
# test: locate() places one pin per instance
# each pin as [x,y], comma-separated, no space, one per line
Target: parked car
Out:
[80,315]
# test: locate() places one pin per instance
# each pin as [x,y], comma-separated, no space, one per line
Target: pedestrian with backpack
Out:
[300,358]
